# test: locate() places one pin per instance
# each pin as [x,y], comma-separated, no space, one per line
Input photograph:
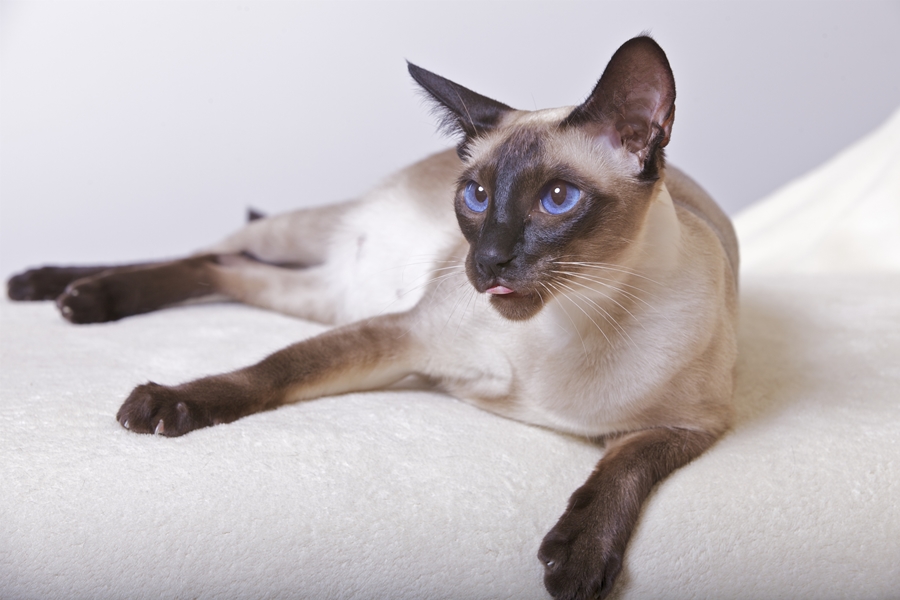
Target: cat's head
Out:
[556,187]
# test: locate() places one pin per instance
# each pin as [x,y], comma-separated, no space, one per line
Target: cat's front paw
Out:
[154,408]
[582,554]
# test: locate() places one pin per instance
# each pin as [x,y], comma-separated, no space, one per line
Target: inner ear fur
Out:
[462,111]
[633,104]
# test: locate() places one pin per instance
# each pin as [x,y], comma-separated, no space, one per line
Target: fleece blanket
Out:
[412,494]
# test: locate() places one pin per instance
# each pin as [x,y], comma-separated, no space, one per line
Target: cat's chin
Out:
[517,306]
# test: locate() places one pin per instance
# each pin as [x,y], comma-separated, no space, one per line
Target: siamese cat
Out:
[552,269]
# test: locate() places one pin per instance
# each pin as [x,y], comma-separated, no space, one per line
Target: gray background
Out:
[137,130]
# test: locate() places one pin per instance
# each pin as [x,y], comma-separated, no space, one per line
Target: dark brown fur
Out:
[583,552]
[361,356]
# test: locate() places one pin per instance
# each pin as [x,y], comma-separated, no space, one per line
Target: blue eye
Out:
[476,197]
[560,197]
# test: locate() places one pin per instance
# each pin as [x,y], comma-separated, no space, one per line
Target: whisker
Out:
[578,306]
[427,260]
[609,267]
[610,298]
[603,312]
[455,306]
[439,279]
[626,293]
[609,283]
[574,326]
[472,296]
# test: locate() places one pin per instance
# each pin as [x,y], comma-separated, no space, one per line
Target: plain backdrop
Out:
[136,130]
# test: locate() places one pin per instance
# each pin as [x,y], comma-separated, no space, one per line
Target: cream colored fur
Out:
[586,364]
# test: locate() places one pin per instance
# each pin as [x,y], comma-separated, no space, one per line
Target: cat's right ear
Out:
[462,111]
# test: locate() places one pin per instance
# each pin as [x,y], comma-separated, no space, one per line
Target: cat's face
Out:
[535,199]
[544,193]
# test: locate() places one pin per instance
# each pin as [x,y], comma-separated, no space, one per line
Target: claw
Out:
[160,428]
[126,425]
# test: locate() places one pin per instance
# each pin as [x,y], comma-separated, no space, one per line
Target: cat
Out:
[576,283]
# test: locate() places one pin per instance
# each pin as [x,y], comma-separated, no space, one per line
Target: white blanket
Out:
[409,494]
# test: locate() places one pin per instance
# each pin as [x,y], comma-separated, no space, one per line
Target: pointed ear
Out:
[462,111]
[633,104]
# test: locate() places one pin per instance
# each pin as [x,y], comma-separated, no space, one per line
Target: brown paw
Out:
[154,408]
[582,554]
[44,283]
[88,301]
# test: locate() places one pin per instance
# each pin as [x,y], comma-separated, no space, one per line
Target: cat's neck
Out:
[657,248]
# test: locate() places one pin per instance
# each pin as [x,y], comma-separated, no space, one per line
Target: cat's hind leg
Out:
[231,268]
[297,238]
[306,292]
[121,292]
[118,292]
[47,283]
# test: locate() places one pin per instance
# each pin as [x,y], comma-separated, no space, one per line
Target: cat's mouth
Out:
[516,305]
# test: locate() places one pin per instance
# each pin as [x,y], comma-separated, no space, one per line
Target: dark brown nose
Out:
[491,262]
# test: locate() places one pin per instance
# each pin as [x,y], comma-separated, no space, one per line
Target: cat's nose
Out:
[492,261]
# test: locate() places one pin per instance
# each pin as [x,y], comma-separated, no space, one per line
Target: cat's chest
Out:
[543,372]
[557,370]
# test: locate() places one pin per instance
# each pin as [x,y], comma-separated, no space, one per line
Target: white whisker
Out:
[603,312]
[611,283]
[574,326]
[578,306]
[455,306]
[610,298]
[608,267]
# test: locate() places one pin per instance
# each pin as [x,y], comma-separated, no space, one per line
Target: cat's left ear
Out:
[462,110]
[633,104]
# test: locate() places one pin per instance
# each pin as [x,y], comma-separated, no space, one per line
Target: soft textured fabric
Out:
[410,494]
[842,217]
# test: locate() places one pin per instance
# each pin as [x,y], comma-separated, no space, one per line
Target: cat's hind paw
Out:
[88,301]
[44,283]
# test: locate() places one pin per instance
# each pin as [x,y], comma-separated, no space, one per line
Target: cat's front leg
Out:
[362,356]
[176,410]
[583,553]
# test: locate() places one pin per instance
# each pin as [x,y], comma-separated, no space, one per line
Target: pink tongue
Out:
[498,290]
